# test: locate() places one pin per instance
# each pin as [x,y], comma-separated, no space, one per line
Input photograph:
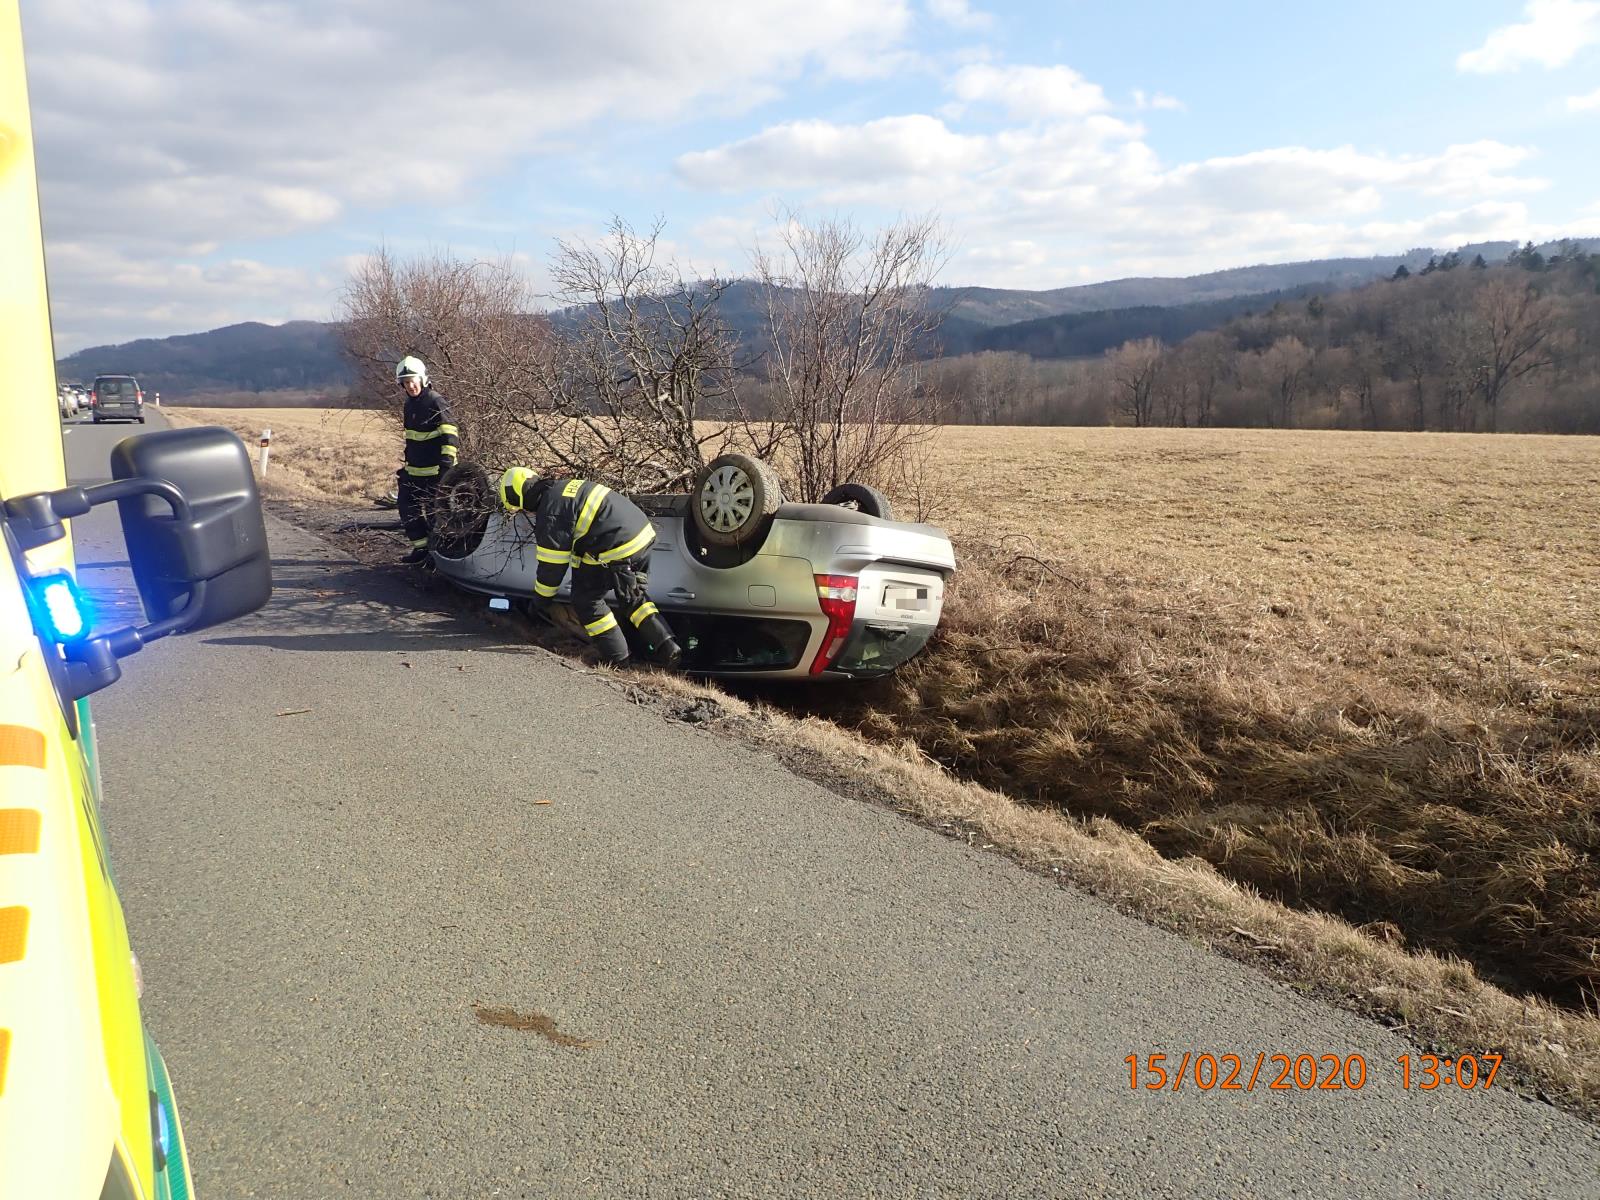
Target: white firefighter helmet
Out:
[408,367]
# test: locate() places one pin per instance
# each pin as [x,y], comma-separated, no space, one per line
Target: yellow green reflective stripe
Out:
[563,557]
[421,541]
[586,560]
[591,505]
[546,589]
[417,435]
[643,613]
[604,625]
[450,429]
[422,470]
[631,547]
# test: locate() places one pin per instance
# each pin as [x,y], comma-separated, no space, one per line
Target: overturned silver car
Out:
[751,585]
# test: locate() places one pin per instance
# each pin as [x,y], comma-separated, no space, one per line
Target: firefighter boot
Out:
[657,635]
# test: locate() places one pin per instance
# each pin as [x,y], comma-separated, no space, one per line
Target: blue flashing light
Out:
[163,1130]
[61,607]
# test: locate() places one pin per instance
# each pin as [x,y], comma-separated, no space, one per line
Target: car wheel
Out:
[733,496]
[863,499]
[460,512]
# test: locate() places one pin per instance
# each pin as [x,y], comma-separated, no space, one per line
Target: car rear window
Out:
[115,387]
[739,643]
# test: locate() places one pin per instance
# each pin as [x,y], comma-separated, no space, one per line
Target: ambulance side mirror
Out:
[204,561]
[197,543]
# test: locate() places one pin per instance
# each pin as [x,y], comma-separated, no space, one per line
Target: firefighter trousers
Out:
[627,579]
[415,494]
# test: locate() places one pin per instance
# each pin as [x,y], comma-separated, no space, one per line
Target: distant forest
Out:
[1472,340]
[1457,345]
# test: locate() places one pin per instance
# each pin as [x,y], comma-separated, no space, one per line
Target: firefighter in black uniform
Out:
[605,539]
[430,451]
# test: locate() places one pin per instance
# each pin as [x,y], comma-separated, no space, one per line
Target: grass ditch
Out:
[1251,744]
[1438,1001]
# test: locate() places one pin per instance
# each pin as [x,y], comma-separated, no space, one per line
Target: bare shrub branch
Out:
[847,317]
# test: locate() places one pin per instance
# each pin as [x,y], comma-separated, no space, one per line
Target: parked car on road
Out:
[751,585]
[118,398]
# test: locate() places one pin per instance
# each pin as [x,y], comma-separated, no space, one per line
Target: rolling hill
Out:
[1060,322]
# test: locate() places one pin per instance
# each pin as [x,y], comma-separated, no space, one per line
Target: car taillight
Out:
[139,396]
[837,596]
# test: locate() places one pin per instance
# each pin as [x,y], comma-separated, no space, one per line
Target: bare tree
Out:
[847,318]
[640,385]
[1175,397]
[471,322]
[1514,325]
[1457,366]
[1412,355]
[1363,372]
[1208,358]
[998,382]
[1135,369]
[1286,362]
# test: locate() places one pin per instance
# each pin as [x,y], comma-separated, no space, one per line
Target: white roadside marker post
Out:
[266,450]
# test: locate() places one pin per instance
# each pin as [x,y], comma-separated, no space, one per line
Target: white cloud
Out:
[1029,92]
[817,153]
[1035,200]
[120,297]
[179,138]
[1346,179]
[162,125]
[1157,100]
[959,14]
[1552,34]
[1588,103]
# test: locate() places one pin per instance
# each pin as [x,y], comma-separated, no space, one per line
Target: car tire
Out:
[867,500]
[460,511]
[732,497]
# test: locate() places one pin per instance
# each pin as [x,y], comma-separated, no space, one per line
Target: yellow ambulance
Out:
[85,1106]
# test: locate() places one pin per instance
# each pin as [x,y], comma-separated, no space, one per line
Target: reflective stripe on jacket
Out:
[584,523]
[431,439]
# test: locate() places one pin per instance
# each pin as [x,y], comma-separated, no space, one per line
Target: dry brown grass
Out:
[333,455]
[1424,538]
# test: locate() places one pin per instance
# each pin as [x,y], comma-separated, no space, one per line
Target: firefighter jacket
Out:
[430,437]
[579,523]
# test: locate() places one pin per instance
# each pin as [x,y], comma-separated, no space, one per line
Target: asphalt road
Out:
[774,991]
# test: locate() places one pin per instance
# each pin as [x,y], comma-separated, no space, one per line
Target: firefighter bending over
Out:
[605,538]
[430,450]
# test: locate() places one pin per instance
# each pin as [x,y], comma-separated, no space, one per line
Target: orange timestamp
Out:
[1303,1072]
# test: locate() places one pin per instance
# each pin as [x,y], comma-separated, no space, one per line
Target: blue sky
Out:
[257,150]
